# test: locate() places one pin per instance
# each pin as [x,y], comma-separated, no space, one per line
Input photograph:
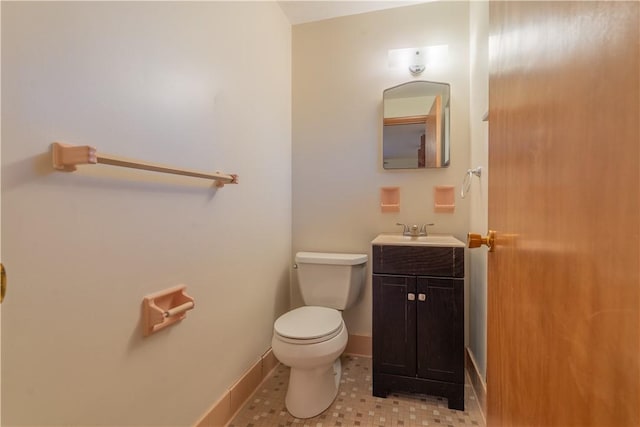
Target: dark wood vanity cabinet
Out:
[418,321]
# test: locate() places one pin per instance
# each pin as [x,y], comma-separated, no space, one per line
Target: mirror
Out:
[416,126]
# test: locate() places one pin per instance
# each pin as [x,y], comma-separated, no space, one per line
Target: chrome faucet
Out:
[414,230]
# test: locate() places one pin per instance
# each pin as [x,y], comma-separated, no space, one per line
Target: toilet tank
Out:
[331,279]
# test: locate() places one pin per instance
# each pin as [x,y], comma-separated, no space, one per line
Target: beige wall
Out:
[478,196]
[199,85]
[339,73]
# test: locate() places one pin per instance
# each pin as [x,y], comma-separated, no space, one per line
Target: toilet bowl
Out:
[314,357]
[310,339]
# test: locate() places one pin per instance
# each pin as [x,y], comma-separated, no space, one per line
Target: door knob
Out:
[475,240]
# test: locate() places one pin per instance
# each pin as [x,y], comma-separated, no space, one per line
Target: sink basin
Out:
[398,239]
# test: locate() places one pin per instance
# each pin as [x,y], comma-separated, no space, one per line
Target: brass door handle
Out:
[475,240]
[3,282]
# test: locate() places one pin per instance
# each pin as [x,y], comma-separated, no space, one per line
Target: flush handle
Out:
[475,240]
[411,296]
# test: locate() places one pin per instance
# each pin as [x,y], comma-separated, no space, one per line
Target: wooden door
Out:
[433,134]
[563,283]
[3,266]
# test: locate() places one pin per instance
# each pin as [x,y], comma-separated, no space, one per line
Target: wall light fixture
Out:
[417,59]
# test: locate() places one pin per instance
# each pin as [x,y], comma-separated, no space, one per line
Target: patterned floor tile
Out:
[355,405]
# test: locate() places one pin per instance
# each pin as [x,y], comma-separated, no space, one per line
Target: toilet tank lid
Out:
[330,258]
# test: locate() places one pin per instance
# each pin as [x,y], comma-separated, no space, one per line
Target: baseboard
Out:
[234,398]
[478,384]
[359,345]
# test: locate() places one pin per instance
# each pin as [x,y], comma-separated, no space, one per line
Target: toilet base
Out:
[303,401]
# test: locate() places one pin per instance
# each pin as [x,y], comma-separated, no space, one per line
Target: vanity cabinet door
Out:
[394,324]
[440,329]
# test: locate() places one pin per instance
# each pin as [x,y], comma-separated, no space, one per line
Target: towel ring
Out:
[466,182]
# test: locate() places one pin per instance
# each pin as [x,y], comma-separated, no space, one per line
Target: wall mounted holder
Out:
[164,308]
[66,157]
[390,199]
[444,199]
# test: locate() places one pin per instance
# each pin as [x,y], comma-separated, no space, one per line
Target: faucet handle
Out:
[423,229]
[405,228]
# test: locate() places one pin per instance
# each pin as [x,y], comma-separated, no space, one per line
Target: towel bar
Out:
[66,157]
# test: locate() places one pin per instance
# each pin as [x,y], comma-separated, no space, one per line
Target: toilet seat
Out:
[308,325]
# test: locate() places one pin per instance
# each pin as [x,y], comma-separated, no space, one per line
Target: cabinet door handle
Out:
[411,296]
[422,297]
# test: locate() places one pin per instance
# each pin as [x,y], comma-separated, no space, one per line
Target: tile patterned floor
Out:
[355,405]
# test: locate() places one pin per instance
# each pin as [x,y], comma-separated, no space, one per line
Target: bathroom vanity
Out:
[418,316]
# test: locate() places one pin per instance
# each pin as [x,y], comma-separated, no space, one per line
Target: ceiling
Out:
[301,11]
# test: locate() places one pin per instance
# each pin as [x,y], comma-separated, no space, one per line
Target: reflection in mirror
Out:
[416,126]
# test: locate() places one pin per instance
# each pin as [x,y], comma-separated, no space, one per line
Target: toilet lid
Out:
[308,323]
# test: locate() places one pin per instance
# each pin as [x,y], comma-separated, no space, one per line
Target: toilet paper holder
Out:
[164,308]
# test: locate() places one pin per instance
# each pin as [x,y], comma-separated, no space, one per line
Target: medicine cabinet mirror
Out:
[416,126]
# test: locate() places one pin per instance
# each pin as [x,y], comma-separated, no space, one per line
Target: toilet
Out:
[310,339]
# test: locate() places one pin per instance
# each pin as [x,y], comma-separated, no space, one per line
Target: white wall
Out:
[199,85]
[339,73]
[478,196]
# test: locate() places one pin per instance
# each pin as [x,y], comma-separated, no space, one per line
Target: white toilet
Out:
[310,339]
